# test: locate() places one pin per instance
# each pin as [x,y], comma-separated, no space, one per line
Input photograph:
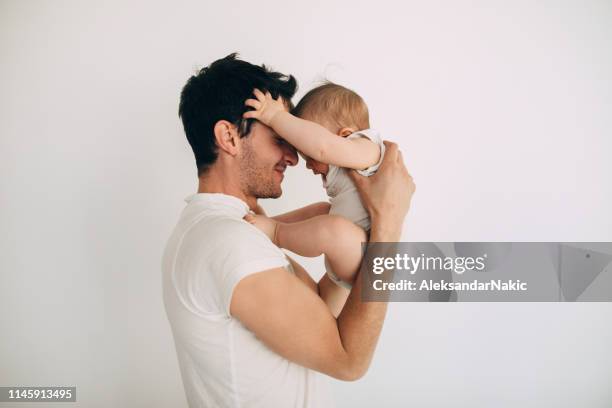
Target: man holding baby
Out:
[251,327]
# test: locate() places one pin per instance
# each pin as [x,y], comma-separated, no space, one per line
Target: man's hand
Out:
[387,194]
[267,225]
[265,107]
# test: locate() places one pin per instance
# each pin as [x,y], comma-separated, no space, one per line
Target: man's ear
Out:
[227,137]
[344,132]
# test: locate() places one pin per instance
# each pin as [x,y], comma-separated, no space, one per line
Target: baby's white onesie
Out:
[343,195]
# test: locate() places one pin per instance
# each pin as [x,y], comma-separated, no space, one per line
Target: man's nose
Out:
[290,154]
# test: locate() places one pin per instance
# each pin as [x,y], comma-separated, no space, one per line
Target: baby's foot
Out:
[265,224]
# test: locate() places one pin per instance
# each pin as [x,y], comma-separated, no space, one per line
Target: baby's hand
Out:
[265,224]
[266,107]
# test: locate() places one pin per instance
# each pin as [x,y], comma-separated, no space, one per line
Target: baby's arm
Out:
[304,213]
[311,138]
[323,146]
[334,236]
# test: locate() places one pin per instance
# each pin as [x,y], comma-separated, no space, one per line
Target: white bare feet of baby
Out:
[267,225]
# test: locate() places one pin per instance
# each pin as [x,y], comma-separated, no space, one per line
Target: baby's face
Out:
[315,166]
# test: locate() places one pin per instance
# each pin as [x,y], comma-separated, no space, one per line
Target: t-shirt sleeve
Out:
[374,136]
[242,250]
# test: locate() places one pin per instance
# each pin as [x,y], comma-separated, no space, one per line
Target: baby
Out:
[331,130]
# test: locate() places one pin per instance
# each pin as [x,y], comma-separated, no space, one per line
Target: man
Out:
[252,329]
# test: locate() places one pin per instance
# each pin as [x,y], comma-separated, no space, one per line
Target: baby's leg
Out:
[334,236]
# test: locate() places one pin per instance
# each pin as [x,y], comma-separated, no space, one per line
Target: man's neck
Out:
[216,183]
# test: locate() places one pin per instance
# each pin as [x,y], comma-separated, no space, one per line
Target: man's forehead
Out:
[262,130]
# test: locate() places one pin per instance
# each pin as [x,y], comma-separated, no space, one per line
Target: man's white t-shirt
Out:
[222,363]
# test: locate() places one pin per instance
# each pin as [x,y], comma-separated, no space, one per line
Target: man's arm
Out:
[294,322]
[333,295]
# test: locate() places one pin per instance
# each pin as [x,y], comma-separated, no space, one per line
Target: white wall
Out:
[503,111]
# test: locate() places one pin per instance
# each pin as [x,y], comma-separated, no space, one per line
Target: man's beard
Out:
[256,179]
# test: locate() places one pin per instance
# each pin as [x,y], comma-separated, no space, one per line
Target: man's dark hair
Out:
[218,92]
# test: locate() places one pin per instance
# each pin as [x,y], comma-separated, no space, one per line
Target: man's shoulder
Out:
[227,231]
[222,224]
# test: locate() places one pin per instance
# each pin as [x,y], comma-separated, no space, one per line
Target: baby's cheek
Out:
[318,165]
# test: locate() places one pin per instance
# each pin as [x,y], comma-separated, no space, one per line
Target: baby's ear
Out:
[344,132]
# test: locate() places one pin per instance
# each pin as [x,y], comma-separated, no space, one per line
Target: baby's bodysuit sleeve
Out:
[374,136]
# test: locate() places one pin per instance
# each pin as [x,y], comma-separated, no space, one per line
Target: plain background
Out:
[503,110]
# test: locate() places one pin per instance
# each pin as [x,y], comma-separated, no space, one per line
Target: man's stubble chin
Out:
[256,179]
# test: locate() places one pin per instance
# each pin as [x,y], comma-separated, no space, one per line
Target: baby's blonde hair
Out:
[336,105]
